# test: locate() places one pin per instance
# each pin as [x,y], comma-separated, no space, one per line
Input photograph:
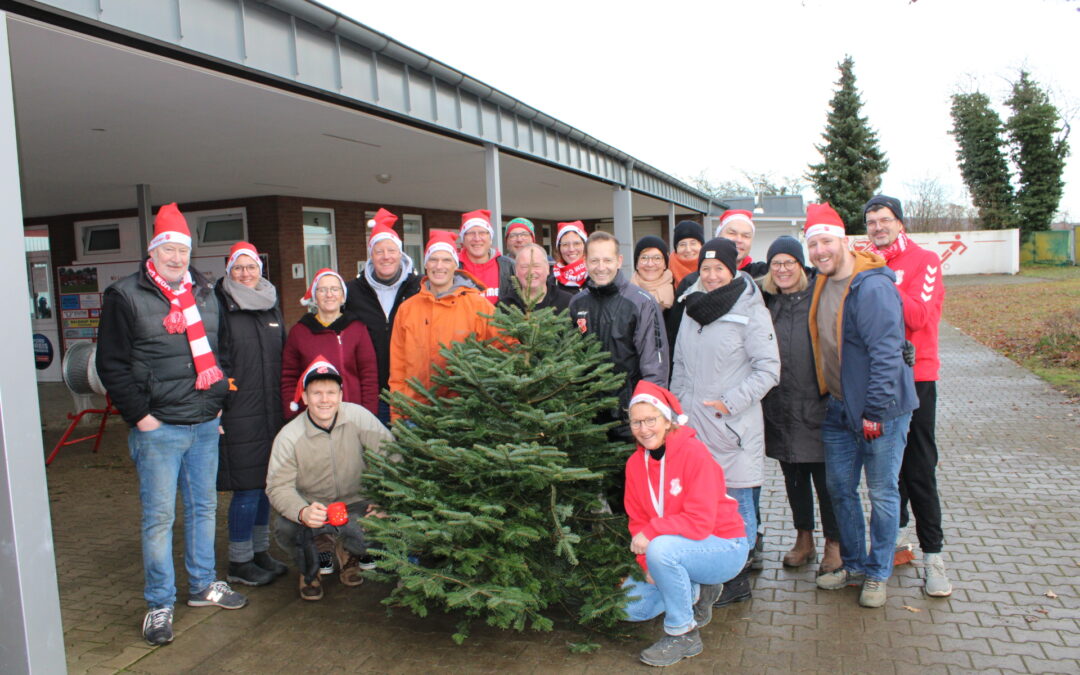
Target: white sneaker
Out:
[936,583]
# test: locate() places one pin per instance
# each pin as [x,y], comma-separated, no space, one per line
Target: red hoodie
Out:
[918,278]
[487,273]
[696,503]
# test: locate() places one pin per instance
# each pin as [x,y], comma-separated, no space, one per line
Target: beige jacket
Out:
[308,465]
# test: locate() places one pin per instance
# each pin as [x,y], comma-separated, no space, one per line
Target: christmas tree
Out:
[493,494]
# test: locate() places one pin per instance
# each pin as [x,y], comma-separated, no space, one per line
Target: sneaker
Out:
[703,607]
[366,562]
[264,560]
[736,590]
[936,583]
[217,594]
[249,574]
[757,555]
[312,591]
[873,593]
[325,543]
[837,579]
[157,626]
[671,649]
[351,574]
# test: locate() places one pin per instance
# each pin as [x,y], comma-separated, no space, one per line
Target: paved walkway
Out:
[1010,487]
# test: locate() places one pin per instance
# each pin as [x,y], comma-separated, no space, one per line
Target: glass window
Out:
[319,249]
[413,227]
[222,230]
[101,238]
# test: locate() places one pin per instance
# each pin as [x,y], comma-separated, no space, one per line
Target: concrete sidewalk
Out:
[1010,485]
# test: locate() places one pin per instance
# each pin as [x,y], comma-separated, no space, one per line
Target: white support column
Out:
[146,215]
[493,184]
[31,634]
[671,225]
[623,215]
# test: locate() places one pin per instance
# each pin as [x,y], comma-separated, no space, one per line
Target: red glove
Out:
[870,430]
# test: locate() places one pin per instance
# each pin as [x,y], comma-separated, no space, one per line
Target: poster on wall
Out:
[78,279]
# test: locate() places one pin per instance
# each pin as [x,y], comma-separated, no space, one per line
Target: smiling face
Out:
[171,261]
[532,269]
[517,240]
[245,271]
[649,427]
[440,267]
[831,255]
[571,248]
[386,259]
[786,272]
[477,243]
[714,274]
[329,295]
[650,264]
[602,261]
[322,398]
[882,226]
[688,249]
[742,233]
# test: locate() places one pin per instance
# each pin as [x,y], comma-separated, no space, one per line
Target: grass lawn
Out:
[1036,324]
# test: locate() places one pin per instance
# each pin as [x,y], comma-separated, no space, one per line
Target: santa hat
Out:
[823,219]
[170,227]
[659,398]
[309,296]
[577,227]
[382,227]
[242,248]
[441,240]
[732,215]
[521,224]
[478,218]
[319,369]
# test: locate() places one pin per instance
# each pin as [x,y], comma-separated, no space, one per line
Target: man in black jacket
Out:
[374,296]
[156,357]
[533,272]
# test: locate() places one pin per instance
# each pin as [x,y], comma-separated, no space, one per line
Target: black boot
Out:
[736,590]
[249,574]
[264,560]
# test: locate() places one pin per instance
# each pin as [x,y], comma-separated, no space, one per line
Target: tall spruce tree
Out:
[492,495]
[852,164]
[1038,148]
[983,165]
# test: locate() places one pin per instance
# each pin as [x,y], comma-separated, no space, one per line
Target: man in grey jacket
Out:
[316,461]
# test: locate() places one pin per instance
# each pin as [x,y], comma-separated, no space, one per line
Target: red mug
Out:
[336,514]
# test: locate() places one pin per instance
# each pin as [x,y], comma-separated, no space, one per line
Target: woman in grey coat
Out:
[725,361]
[795,408]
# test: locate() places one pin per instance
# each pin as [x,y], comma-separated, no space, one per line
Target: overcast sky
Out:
[721,87]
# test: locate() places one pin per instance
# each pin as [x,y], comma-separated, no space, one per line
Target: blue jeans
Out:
[847,452]
[247,509]
[748,499]
[187,455]
[678,566]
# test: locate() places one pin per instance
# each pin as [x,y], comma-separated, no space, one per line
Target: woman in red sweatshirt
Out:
[687,533]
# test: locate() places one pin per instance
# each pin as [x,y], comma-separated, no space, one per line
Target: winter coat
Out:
[363,302]
[918,279]
[146,369]
[734,360]
[878,385]
[346,343]
[628,323]
[252,340]
[424,323]
[673,316]
[696,503]
[554,297]
[309,464]
[795,408]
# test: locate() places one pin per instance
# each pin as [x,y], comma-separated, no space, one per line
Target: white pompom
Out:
[682,419]
[293,407]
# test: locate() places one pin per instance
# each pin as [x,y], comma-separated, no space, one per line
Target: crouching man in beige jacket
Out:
[316,462]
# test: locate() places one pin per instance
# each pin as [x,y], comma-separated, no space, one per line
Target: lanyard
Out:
[658,504]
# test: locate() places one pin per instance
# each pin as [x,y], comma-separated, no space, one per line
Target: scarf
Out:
[663,289]
[745,261]
[680,268]
[183,317]
[892,250]
[573,274]
[708,307]
[262,297]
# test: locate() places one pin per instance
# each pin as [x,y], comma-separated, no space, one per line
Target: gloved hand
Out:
[870,430]
[908,352]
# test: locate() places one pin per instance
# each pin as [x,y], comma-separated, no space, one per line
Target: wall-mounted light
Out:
[383,178]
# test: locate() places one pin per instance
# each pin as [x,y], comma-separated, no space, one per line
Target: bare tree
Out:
[750,184]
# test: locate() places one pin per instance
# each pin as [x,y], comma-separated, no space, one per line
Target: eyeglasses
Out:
[519,235]
[246,269]
[647,422]
[883,222]
[651,258]
[331,290]
[783,264]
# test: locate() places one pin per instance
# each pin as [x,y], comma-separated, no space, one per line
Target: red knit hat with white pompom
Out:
[659,398]
[823,219]
[382,228]
[310,294]
[319,369]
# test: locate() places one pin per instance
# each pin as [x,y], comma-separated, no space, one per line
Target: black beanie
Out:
[650,241]
[688,229]
[789,245]
[721,249]
[892,203]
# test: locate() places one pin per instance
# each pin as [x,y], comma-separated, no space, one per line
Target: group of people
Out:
[805,364]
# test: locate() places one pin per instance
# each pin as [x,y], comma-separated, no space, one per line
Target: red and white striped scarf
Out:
[183,317]
[892,250]
[573,274]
